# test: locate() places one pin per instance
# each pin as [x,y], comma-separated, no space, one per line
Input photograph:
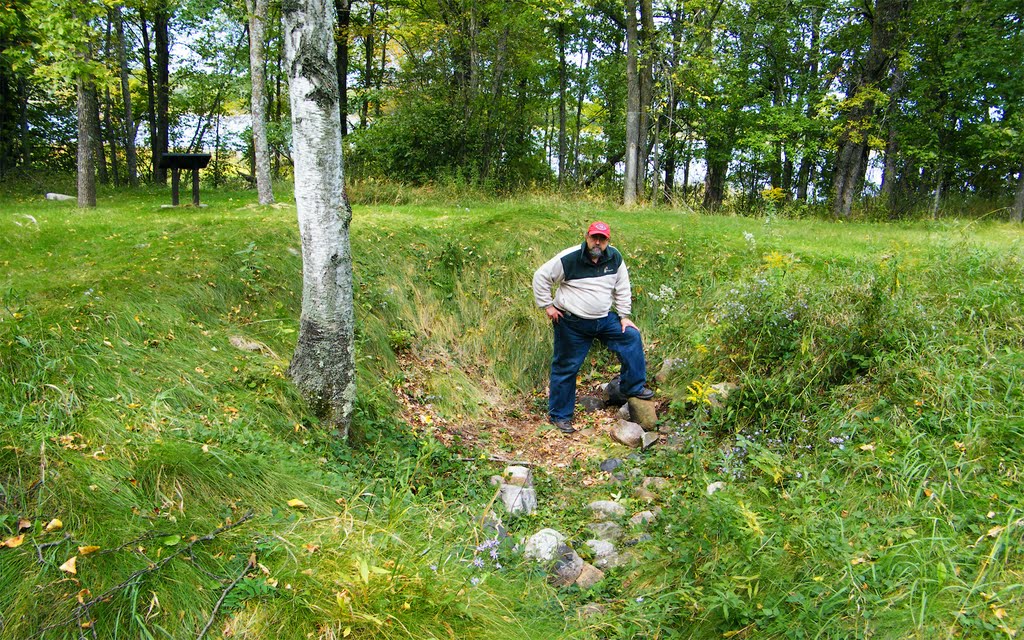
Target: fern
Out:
[248,589]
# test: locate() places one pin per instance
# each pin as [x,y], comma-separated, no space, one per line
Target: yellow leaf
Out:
[1000,613]
[995,531]
[24,524]
[84,551]
[14,542]
[347,632]
[298,504]
[406,606]
[867,447]
[54,524]
[87,625]
[81,596]
[70,566]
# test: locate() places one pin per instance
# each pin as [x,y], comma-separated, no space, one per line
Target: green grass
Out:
[127,414]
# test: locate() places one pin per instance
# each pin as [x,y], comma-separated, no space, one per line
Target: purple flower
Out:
[478,562]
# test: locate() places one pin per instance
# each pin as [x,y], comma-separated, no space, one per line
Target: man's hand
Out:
[553,313]
[626,322]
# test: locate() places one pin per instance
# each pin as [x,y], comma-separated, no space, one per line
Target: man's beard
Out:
[594,252]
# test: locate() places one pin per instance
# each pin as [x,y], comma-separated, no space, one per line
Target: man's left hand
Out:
[626,322]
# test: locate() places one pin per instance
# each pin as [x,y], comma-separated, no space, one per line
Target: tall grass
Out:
[870,452]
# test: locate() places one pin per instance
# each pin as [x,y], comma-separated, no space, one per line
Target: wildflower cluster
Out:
[762,315]
[488,549]
[665,294]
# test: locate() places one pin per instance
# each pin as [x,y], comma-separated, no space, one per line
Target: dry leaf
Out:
[87,625]
[867,447]
[81,596]
[54,524]
[1000,613]
[298,504]
[70,566]
[995,531]
[84,551]
[24,524]
[13,542]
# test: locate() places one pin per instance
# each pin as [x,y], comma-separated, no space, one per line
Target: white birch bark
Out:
[257,10]
[632,106]
[323,366]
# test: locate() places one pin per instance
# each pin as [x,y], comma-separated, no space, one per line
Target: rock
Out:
[667,367]
[519,499]
[495,526]
[656,483]
[591,404]
[59,196]
[720,393]
[613,395]
[619,477]
[611,464]
[650,437]
[623,412]
[519,476]
[644,537]
[543,545]
[496,481]
[643,493]
[567,568]
[715,486]
[605,554]
[589,576]
[642,518]
[606,509]
[609,531]
[591,610]
[628,433]
[644,413]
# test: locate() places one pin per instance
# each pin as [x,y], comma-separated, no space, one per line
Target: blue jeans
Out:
[573,337]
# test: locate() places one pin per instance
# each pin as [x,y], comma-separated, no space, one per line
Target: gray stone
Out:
[611,464]
[645,494]
[589,576]
[623,412]
[642,517]
[519,499]
[496,481]
[567,568]
[606,509]
[628,433]
[591,404]
[609,531]
[644,413]
[649,439]
[519,476]
[543,545]
[605,554]
[657,483]
[613,394]
[667,367]
[644,537]
[591,610]
[720,393]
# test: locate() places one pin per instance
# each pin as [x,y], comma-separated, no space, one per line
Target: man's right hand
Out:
[553,313]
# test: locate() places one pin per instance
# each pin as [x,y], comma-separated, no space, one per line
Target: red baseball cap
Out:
[599,229]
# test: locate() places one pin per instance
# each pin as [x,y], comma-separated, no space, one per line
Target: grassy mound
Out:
[869,450]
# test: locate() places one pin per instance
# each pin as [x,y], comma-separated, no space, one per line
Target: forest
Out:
[892,108]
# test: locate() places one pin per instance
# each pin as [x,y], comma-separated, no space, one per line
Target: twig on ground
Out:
[224,594]
[47,545]
[83,608]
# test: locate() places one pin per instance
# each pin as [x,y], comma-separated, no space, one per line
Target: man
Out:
[591,278]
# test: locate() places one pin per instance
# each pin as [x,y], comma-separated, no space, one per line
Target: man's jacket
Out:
[585,289]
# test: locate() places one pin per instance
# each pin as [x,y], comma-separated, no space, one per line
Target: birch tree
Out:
[257,10]
[323,366]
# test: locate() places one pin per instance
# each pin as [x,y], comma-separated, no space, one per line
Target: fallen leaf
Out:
[70,566]
[24,524]
[86,550]
[867,447]
[298,504]
[347,632]
[54,524]
[13,542]
[80,596]
[170,541]
[87,625]
[995,531]
[1000,613]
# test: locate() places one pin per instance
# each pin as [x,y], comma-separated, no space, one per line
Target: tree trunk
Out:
[147,59]
[632,106]
[323,366]
[1018,201]
[86,95]
[131,160]
[656,168]
[115,169]
[163,88]
[344,10]
[97,137]
[368,44]
[853,141]
[646,71]
[562,82]
[257,61]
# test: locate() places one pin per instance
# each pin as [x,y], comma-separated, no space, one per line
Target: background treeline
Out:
[900,106]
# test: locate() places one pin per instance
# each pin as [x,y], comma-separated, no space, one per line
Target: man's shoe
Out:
[643,394]
[564,426]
